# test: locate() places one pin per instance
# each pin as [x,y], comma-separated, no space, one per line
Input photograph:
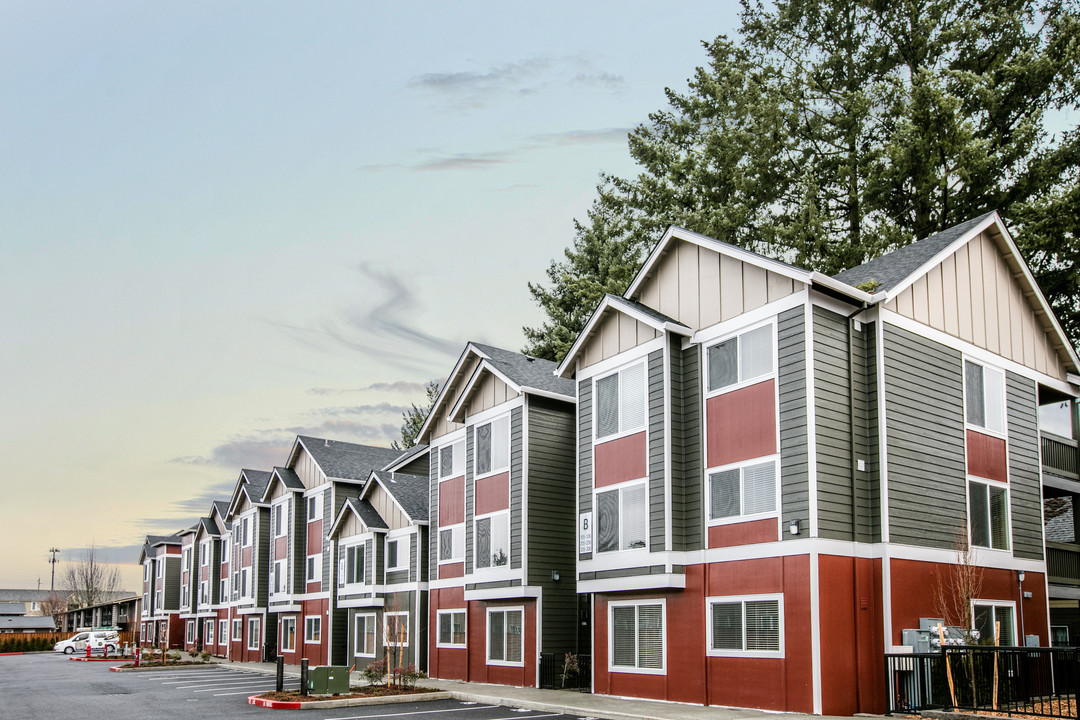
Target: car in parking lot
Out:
[97,640]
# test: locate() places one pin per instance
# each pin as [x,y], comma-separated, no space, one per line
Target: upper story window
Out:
[186,559]
[493,446]
[749,489]
[204,554]
[314,507]
[353,567]
[988,511]
[620,401]
[277,521]
[492,540]
[395,558]
[622,517]
[984,397]
[245,531]
[146,570]
[452,544]
[745,357]
[452,460]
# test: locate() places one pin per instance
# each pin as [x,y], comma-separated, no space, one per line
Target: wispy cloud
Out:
[243,452]
[381,434]
[601,136]
[465,161]
[400,386]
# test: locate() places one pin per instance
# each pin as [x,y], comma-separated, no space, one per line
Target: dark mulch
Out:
[357,692]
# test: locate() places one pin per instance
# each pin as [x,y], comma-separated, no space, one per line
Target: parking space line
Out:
[235,686]
[418,712]
[251,692]
[224,681]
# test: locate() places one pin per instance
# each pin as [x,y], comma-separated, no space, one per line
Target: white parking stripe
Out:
[223,681]
[236,686]
[418,712]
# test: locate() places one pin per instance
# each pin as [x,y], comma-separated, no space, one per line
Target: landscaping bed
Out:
[357,693]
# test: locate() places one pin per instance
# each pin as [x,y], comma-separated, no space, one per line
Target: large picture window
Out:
[620,401]
[988,512]
[505,636]
[622,518]
[984,397]
[451,628]
[396,629]
[493,446]
[746,357]
[749,489]
[492,540]
[364,635]
[746,626]
[637,636]
[986,614]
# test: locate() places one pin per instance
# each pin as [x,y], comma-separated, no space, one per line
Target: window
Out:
[314,568]
[204,555]
[160,567]
[452,460]
[312,629]
[244,574]
[245,531]
[223,632]
[452,544]
[364,635]
[396,629]
[1059,635]
[223,588]
[314,503]
[190,631]
[237,629]
[622,518]
[185,600]
[987,613]
[620,401]
[353,568]
[396,559]
[209,631]
[636,636]
[451,628]
[746,357]
[236,584]
[492,540]
[186,559]
[279,512]
[505,636]
[288,634]
[740,491]
[984,397]
[280,579]
[988,512]
[493,446]
[204,594]
[253,633]
[745,626]
[146,572]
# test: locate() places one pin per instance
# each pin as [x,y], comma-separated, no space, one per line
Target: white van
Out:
[98,639]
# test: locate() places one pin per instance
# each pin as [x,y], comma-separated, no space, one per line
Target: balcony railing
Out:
[1063,563]
[1060,456]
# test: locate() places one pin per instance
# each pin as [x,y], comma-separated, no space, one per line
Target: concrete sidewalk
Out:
[562,701]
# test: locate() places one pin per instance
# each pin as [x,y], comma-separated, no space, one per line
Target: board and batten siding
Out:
[687,501]
[516,486]
[794,451]
[487,393]
[616,333]
[927,473]
[657,464]
[1025,488]
[585,451]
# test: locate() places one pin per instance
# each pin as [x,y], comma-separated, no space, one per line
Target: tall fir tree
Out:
[413,418]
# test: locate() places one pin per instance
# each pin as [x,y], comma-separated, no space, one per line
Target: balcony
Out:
[1059,456]
[1063,563]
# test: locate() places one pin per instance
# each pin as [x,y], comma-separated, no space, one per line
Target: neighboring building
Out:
[774,465]
[251,636]
[13,619]
[31,599]
[122,612]
[502,525]
[204,596]
[160,623]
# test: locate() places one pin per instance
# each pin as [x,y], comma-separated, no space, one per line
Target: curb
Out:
[346,702]
[86,659]
[159,668]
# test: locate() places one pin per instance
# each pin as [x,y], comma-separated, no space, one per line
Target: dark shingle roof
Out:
[1058,518]
[153,540]
[893,268]
[654,314]
[345,460]
[257,480]
[527,371]
[209,526]
[289,478]
[367,513]
[409,454]
[12,608]
[222,506]
[23,596]
[411,492]
[26,622]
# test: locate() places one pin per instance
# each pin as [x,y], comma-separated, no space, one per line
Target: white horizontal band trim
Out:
[636,582]
[506,593]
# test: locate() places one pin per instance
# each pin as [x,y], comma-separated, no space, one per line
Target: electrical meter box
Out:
[328,680]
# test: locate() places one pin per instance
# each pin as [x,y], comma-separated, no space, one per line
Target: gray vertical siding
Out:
[657,465]
[585,450]
[687,485]
[260,550]
[328,518]
[414,557]
[552,522]
[873,464]
[924,405]
[832,419]
[794,449]
[468,500]
[1025,492]
[340,638]
[298,510]
[516,486]
[433,518]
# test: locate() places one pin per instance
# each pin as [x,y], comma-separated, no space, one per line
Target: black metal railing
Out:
[1013,681]
[556,673]
[1063,563]
[1060,455]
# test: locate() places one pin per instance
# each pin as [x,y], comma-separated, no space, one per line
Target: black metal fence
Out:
[1012,681]
[556,672]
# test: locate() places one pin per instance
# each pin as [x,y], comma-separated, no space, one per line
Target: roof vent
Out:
[529,358]
[326,442]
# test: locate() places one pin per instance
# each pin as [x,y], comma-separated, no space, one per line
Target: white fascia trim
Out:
[497,411]
[977,353]
[626,357]
[260,610]
[367,486]
[444,583]
[372,602]
[346,506]
[487,365]
[524,489]
[833,304]
[402,587]
[548,394]
[669,524]
[746,319]
[450,379]
[507,593]
[640,582]
[945,252]
[851,291]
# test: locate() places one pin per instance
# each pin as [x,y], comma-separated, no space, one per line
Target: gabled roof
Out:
[251,483]
[364,511]
[26,622]
[22,596]
[410,492]
[12,608]
[287,478]
[207,526]
[344,460]
[406,457]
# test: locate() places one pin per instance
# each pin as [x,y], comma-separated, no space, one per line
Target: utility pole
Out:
[52,561]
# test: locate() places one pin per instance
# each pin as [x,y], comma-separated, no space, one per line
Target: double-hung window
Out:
[204,554]
[245,588]
[364,635]
[254,637]
[452,544]
[396,629]
[237,629]
[492,540]
[280,581]
[288,634]
[622,514]
[245,531]
[505,636]
[312,629]
[314,568]
[746,626]
[747,489]
[190,631]
[353,564]
[740,359]
[314,507]
[636,636]
[396,557]
[208,631]
[280,511]
[620,402]
[986,614]
[988,514]
[984,397]
[451,628]
[223,632]
[223,588]
[493,446]
[452,460]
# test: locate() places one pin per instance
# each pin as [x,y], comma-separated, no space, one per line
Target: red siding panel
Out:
[452,570]
[492,493]
[741,424]
[986,456]
[452,501]
[620,460]
[745,533]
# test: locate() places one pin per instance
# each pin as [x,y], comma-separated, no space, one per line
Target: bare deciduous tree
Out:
[89,580]
[55,605]
[957,587]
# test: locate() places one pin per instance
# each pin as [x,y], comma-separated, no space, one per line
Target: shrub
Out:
[173,656]
[570,668]
[205,656]
[375,672]
[408,675]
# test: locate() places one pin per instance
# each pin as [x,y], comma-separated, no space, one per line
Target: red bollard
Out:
[88,649]
[105,651]
[138,653]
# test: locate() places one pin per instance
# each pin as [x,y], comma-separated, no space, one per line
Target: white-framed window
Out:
[452,460]
[637,636]
[491,540]
[223,588]
[146,571]
[984,397]
[236,584]
[492,446]
[204,592]
[364,635]
[209,633]
[314,508]
[186,559]
[988,513]
[278,523]
[620,402]
[312,629]
[451,629]
[351,565]
[253,633]
[397,555]
[288,634]
[160,567]
[314,568]
[745,626]
[740,360]
[506,636]
[245,588]
[223,632]
[245,531]
[622,516]
[190,631]
[185,596]
[237,629]
[158,600]
[204,553]
[987,613]
[396,629]
[279,580]
[742,491]
[452,543]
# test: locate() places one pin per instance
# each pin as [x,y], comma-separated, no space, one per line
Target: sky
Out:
[226,224]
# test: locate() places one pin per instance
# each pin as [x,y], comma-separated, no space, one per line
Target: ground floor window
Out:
[1059,635]
[253,633]
[746,625]
[237,629]
[505,635]
[208,630]
[223,632]
[190,631]
[312,629]
[288,634]
[364,635]
[987,614]
[396,629]
[451,628]
[636,636]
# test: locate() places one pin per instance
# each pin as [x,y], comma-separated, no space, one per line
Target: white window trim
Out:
[279,572]
[237,629]
[386,629]
[343,562]
[456,528]
[710,652]
[208,631]
[1003,434]
[246,531]
[316,622]
[487,638]
[457,445]
[739,385]
[281,508]
[509,542]
[509,447]
[401,537]
[629,552]
[451,612]
[255,636]
[642,360]
[612,667]
[284,622]
[317,498]
[316,576]
[357,635]
[1017,641]
[1008,514]
[223,632]
[735,519]
[246,589]
[190,630]
[204,553]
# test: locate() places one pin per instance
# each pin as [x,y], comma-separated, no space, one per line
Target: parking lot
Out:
[46,686]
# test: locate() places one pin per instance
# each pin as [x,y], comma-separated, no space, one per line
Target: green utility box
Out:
[328,680]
